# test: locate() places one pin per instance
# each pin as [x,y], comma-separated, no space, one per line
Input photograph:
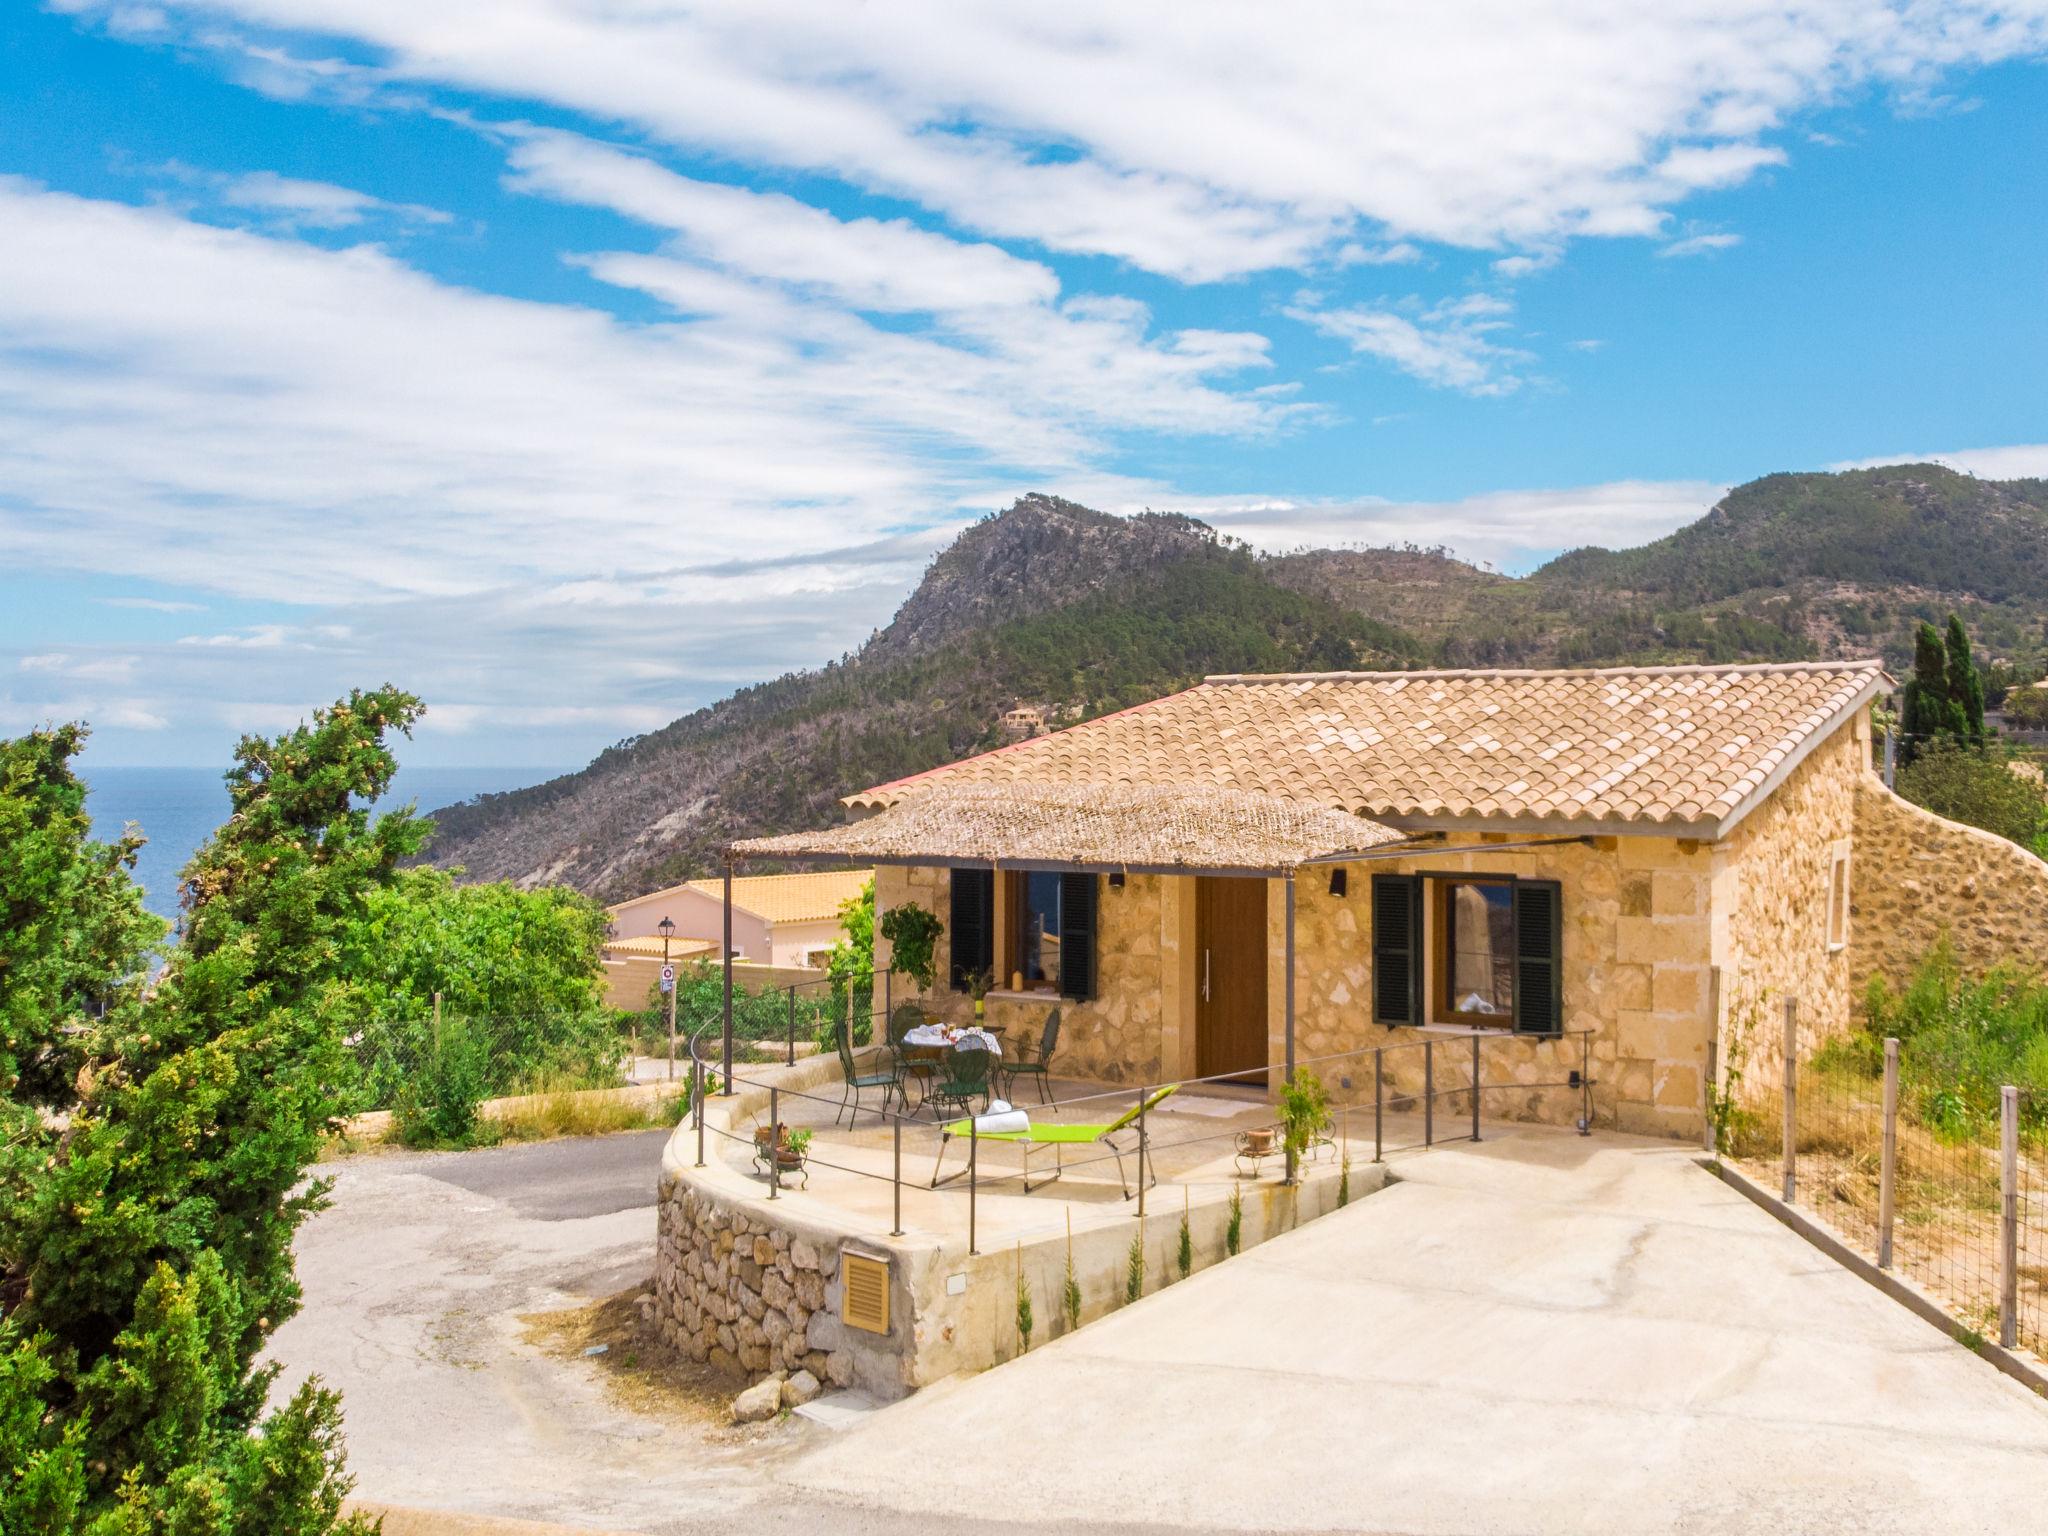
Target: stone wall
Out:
[737,1291]
[1771,901]
[1917,876]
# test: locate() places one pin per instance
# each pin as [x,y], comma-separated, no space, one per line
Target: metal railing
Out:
[1393,1100]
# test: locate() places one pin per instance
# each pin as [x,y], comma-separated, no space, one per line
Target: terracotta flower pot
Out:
[1259,1141]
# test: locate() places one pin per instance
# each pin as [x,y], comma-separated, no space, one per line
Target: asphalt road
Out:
[568,1180]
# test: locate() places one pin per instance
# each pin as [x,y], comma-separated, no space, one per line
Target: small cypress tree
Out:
[1927,711]
[1965,684]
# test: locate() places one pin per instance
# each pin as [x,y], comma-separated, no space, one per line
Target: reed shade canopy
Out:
[1103,826]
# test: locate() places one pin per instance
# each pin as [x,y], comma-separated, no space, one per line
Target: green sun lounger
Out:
[1058,1136]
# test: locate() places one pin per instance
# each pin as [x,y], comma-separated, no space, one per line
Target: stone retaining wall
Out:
[752,1285]
[1917,876]
[741,1293]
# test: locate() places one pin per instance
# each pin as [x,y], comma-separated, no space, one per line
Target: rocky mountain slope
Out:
[1058,605]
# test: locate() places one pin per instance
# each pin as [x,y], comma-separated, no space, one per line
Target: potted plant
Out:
[1258,1141]
[978,984]
[791,1151]
[1304,1111]
[771,1135]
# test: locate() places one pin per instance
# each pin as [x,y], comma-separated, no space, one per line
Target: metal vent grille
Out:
[864,1292]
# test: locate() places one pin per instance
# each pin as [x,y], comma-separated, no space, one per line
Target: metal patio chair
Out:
[1034,1061]
[854,1081]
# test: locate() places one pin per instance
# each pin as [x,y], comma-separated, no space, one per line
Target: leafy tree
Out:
[853,952]
[145,1238]
[524,970]
[1982,787]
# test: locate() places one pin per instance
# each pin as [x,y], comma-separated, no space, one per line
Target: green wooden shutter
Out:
[971,930]
[1539,957]
[1397,949]
[1077,935]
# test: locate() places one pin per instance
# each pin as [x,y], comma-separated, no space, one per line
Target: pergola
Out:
[1091,829]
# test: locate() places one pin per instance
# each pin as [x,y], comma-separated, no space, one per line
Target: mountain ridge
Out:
[1078,611]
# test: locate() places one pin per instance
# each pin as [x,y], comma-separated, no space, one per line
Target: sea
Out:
[177,809]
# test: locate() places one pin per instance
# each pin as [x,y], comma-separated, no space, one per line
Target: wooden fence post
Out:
[1888,1168]
[1791,1077]
[2008,1216]
[1710,1089]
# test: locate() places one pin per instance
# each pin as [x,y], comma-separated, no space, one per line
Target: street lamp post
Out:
[667,929]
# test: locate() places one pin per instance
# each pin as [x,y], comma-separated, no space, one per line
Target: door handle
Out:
[1205,975]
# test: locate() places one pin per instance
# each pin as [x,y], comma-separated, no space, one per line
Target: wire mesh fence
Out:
[1896,1160]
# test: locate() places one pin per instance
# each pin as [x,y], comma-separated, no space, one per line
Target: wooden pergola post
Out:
[1287,993]
[726,967]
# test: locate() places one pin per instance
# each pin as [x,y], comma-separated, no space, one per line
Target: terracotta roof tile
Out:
[1656,745]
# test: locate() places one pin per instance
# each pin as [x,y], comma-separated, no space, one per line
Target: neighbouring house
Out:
[1023,723]
[789,921]
[1619,866]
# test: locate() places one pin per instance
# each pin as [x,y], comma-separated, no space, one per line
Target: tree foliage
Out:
[146,1216]
[1982,787]
[1944,697]
[520,975]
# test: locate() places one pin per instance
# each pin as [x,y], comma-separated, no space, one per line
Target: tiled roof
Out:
[800,898]
[1136,826]
[1691,746]
[649,947]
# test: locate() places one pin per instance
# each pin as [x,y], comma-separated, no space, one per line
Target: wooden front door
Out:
[1230,977]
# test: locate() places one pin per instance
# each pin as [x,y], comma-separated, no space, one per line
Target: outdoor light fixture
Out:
[1116,880]
[666,927]
[1340,882]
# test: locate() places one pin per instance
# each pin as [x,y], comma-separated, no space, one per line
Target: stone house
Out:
[1615,867]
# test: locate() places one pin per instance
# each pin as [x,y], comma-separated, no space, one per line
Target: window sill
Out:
[1028,995]
[1441,1028]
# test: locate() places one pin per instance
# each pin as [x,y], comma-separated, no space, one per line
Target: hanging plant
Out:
[913,935]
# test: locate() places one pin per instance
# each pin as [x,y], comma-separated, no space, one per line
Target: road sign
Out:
[668,978]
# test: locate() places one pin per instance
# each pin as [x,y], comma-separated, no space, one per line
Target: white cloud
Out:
[2019,461]
[861,263]
[315,204]
[1448,346]
[1700,245]
[1195,139]
[217,409]
[151,604]
[289,203]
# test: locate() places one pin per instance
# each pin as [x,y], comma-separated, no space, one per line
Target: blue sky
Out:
[573,364]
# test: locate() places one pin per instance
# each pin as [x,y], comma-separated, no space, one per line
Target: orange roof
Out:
[800,898]
[649,947]
[1624,748]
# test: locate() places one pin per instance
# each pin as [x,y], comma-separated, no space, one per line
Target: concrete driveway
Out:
[1540,1333]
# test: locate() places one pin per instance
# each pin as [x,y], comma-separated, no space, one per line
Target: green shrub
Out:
[437,1105]
[1961,1039]
[1980,787]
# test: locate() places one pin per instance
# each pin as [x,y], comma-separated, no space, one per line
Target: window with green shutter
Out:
[971,930]
[1396,949]
[1077,920]
[1539,957]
